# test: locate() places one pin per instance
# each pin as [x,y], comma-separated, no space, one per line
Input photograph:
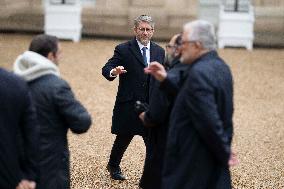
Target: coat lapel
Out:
[153,52]
[134,48]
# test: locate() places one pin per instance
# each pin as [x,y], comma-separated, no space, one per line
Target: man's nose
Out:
[145,32]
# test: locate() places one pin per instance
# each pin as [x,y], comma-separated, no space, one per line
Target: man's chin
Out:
[144,42]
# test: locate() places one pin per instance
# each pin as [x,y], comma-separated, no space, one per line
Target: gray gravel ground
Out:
[258,118]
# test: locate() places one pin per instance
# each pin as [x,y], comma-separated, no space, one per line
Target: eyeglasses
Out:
[169,46]
[148,30]
[184,42]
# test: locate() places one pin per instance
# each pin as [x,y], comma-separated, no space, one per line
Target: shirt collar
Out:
[141,45]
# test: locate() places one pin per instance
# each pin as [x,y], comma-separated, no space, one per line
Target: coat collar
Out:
[208,55]
[134,48]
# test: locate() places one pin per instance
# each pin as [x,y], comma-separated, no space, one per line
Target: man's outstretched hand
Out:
[118,70]
[157,70]
[26,184]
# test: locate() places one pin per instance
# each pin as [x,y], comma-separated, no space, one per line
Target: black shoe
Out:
[115,173]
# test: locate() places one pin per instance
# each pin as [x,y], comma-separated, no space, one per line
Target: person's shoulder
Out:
[12,83]
[201,69]
[53,82]
[222,63]
[7,74]
[159,50]
[58,86]
[210,67]
[155,45]
[10,77]
[218,64]
[124,44]
[60,82]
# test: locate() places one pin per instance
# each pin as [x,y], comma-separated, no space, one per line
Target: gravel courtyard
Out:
[258,116]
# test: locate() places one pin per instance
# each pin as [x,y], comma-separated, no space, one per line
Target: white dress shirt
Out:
[147,51]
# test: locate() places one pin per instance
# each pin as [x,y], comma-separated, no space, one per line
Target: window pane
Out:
[62,1]
[237,5]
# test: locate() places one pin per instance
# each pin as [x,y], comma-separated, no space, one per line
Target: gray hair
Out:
[144,18]
[202,31]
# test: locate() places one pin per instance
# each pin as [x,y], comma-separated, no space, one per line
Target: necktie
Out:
[144,55]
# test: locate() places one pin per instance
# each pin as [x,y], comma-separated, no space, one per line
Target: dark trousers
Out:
[119,147]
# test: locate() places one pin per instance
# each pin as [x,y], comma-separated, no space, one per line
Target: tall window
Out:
[237,5]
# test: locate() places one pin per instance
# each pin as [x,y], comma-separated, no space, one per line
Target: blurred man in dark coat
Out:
[156,117]
[129,61]
[19,134]
[200,133]
[57,109]
[201,128]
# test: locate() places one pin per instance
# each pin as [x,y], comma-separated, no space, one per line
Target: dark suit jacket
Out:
[157,117]
[133,85]
[200,131]
[19,132]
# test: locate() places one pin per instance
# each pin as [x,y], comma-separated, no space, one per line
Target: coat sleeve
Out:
[205,116]
[170,85]
[159,105]
[113,62]
[30,137]
[73,112]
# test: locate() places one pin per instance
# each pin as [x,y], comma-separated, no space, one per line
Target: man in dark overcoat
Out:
[57,108]
[157,116]
[200,133]
[19,134]
[129,60]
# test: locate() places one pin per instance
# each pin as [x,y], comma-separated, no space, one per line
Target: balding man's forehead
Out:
[173,39]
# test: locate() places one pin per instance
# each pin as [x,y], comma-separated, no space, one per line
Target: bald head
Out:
[173,49]
[173,39]
[174,44]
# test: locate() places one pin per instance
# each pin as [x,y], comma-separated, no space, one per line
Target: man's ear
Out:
[50,56]
[199,45]
[134,30]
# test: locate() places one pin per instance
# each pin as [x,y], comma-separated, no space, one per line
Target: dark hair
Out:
[44,44]
[178,40]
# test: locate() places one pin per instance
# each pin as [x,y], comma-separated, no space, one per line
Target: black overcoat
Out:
[133,85]
[19,132]
[200,131]
[57,112]
[157,117]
